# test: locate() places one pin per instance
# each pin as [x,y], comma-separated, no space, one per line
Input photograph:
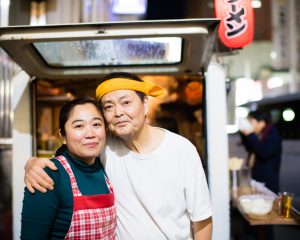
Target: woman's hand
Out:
[35,176]
[246,132]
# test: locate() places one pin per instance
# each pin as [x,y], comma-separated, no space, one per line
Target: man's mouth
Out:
[120,123]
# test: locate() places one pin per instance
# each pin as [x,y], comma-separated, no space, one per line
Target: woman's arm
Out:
[38,214]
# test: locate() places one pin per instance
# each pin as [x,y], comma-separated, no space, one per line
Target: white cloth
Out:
[157,194]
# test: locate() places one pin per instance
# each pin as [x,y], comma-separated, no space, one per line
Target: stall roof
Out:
[293,97]
[90,50]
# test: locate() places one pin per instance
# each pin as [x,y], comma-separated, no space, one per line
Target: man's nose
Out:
[119,111]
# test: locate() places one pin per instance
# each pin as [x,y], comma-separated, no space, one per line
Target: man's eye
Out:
[107,107]
[126,102]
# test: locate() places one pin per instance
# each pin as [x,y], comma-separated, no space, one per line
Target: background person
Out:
[159,182]
[263,143]
[81,206]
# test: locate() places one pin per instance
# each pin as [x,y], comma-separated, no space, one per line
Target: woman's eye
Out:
[126,102]
[97,124]
[78,126]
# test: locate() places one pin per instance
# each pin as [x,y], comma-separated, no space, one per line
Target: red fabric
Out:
[94,217]
[265,132]
[95,201]
[236,29]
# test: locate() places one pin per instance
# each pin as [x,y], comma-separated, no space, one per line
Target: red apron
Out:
[94,216]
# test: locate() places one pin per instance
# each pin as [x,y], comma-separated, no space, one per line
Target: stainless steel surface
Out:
[6,191]
[6,114]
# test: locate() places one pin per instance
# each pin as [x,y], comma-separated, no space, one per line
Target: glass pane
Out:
[137,51]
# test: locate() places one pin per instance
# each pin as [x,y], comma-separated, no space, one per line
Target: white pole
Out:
[4,14]
[22,144]
[217,150]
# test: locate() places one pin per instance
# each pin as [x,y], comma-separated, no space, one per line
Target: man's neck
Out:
[147,140]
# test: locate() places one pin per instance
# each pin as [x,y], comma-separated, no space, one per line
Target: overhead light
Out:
[273,55]
[256,3]
[288,115]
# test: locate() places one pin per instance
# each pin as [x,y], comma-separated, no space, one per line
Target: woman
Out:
[81,206]
[263,143]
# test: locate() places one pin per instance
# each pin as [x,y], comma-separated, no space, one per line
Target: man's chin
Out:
[124,134]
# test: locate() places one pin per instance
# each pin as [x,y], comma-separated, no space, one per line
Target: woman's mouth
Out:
[90,145]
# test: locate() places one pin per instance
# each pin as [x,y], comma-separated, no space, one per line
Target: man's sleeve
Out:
[197,193]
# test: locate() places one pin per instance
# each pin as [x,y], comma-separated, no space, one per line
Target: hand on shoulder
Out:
[35,177]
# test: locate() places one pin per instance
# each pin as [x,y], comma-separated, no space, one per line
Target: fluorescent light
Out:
[256,3]
[247,90]
[129,7]
[274,82]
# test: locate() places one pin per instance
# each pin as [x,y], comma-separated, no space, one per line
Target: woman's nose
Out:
[90,132]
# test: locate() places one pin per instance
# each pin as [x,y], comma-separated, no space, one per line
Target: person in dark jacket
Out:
[263,143]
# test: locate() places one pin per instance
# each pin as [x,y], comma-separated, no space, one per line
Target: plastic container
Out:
[256,204]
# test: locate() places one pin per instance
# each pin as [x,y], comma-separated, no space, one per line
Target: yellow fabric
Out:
[149,88]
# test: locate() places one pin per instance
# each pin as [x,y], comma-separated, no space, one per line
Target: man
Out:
[159,182]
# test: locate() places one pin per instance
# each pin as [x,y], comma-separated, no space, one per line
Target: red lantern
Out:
[237,22]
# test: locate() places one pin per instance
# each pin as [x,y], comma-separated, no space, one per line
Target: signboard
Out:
[281,55]
[237,22]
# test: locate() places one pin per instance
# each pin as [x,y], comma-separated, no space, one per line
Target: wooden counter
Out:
[272,218]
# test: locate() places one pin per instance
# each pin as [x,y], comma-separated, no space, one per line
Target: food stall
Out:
[60,62]
[260,206]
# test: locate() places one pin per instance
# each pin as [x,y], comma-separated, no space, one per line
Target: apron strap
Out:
[68,168]
[75,189]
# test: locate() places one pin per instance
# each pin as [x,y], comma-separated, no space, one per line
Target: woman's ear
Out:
[63,139]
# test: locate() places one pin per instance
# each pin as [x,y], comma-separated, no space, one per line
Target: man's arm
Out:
[35,176]
[203,229]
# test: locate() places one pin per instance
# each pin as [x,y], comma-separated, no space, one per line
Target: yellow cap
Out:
[149,88]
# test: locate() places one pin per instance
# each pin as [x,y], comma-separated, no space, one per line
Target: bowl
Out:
[256,204]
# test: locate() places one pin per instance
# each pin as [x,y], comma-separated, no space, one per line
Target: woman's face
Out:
[85,132]
[257,125]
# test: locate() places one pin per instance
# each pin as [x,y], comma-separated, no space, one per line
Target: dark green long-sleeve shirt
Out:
[48,215]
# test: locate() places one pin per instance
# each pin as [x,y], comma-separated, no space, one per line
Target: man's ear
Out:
[146,106]
[63,139]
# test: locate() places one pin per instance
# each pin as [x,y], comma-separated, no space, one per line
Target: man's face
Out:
[124,112]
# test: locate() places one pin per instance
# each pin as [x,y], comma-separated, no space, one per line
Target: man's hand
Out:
[35,176]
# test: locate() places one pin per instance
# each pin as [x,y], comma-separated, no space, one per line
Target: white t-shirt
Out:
[158,193]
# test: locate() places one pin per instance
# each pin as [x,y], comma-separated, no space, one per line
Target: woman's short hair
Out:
[260,116]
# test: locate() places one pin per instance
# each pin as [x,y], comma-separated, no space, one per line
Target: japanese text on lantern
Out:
[236,23]
[236,27]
